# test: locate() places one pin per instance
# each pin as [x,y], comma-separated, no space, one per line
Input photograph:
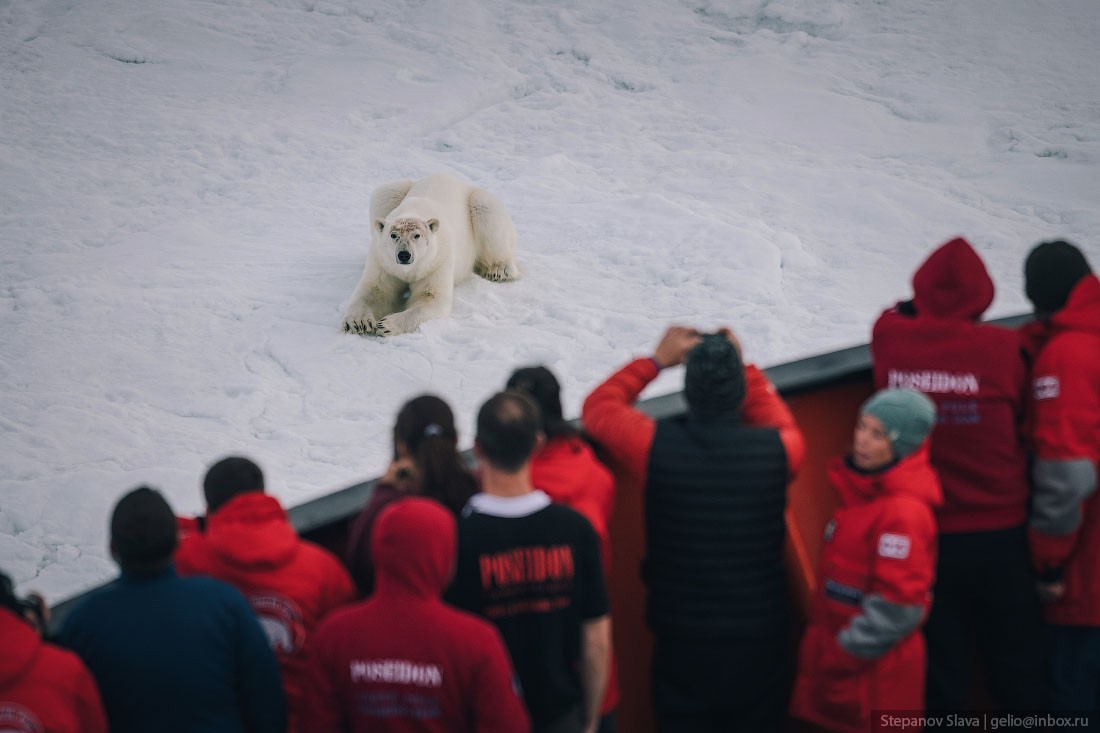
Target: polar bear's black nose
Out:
[404,257]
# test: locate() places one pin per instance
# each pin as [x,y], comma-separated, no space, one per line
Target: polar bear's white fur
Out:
[428,235]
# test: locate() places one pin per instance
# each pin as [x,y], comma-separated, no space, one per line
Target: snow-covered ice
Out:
[183,192]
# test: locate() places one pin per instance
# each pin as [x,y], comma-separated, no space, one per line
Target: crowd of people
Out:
[474,598]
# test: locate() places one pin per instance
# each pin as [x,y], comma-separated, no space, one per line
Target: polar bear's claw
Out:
[387,327]
[500,272]
[359,323]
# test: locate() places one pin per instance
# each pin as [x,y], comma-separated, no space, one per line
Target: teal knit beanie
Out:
[907,415]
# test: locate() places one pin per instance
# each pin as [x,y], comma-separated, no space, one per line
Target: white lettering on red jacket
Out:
[893,546]
[1047,388]
[396,671]
[19,719]
[934,381]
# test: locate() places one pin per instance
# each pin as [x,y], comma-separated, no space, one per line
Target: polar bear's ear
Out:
[433,224]
[380,225]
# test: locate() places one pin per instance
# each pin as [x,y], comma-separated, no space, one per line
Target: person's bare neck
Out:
[496,482]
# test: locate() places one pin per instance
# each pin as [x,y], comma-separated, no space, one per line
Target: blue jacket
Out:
[175,654]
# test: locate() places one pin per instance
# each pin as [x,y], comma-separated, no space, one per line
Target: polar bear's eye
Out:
[393,235]
[416,236]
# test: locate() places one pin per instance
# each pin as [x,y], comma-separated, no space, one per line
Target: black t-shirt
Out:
[538,578]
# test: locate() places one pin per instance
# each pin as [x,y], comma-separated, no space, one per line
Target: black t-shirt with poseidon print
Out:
[538,578]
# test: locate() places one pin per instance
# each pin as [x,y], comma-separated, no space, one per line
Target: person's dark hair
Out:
[714,378]
[542,386]
[31,609]
[1051,271]
[508,429]
[229,477]
[143,532]
[8,599]
[426,426]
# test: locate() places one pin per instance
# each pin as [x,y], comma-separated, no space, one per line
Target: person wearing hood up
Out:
[247,540]
[42,687]
[976,373]
[1065,521]
[862,650]
[403,661]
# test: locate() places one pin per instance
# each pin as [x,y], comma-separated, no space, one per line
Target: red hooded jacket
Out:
[403,661]
[862,650]
[1065,521]
[43,688]
[290,583]
[569,472]
[976,374]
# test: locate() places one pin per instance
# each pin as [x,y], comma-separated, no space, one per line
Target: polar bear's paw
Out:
[498,272]
[360,319]
[396,323]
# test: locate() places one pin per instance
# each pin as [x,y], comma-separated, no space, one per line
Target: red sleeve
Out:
[1065,415]
[763,406]
[497,705]
[1050,552]
[1066,399]
[610,418]
[905,554]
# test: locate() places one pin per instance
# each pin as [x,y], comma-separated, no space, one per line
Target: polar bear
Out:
[428,235]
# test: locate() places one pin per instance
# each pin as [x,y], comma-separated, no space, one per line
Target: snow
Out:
[184,190]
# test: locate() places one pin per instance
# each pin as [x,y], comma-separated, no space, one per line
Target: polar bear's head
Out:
[406,242]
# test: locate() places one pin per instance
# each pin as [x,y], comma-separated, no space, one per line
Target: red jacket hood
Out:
[20,644]
[413,544]
[1082,310]
[252,531]
[953,283]
[911,477]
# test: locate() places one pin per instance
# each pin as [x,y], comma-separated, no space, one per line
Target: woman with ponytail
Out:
[426,462]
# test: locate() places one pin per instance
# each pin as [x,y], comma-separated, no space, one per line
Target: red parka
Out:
[976,374]
[290,583]
[43,688]
[862,650]
[1065,522]
[403,661]
[569,472]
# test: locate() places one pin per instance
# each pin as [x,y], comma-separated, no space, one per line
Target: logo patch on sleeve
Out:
[1047,388]
[893,546]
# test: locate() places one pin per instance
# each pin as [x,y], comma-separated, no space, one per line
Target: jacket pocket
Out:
[844,687]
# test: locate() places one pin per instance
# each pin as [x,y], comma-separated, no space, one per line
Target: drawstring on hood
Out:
[953,283]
